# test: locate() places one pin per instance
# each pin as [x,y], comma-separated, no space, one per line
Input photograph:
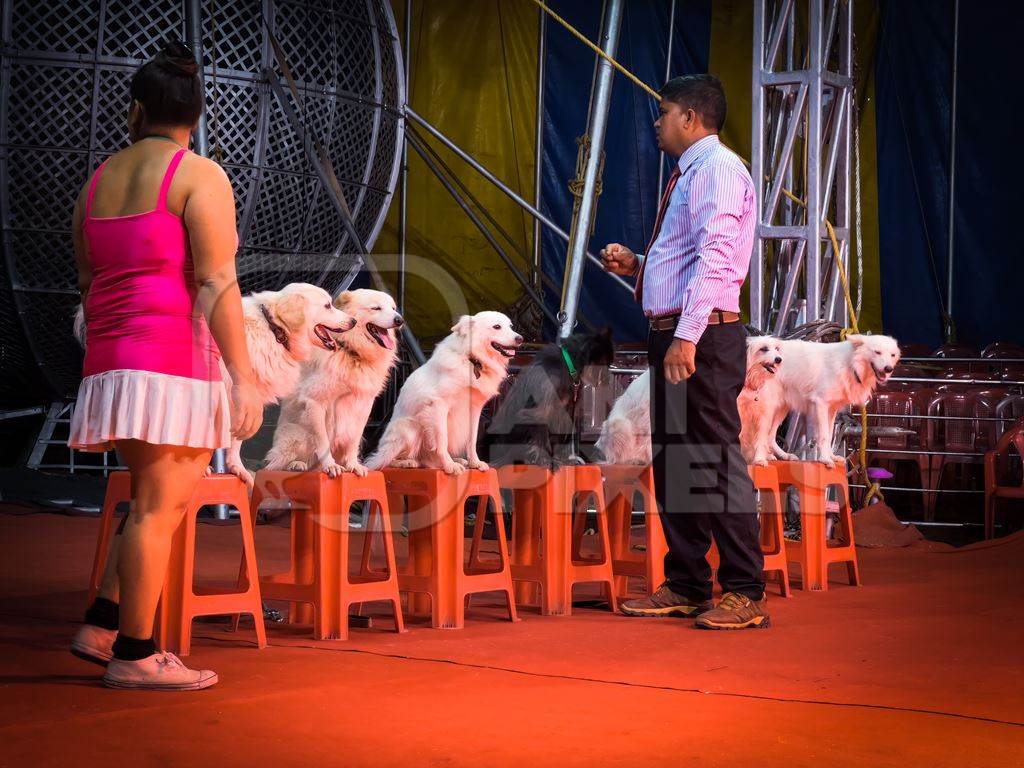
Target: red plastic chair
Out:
[1003,349]
[1003,476]
[960,434]
[958,350]
[885,447]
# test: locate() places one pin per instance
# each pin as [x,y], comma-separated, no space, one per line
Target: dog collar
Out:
[279,333]
[477,366]
[568,363]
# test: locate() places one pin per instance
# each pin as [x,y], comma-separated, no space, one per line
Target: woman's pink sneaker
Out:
[159,672]
[94,644]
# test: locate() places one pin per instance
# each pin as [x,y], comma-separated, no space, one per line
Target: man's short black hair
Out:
[701,93]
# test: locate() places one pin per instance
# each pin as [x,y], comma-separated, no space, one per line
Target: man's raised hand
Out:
[618,259]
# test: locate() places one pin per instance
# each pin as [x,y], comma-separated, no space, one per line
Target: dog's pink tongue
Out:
[389,342]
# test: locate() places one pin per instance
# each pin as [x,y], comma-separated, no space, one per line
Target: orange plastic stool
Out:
[621,483]
[773,537]
[119,489]
[321,543]
[180,602]
[548,523]
[814,554]
[437,566]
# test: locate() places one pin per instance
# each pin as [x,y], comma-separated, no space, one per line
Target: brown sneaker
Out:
[664,602]
[736,611]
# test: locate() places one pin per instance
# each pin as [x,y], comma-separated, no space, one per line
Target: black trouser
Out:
[700,477]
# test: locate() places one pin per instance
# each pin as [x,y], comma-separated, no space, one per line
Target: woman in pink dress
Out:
[155,242]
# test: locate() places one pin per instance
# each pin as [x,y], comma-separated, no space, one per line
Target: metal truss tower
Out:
[802,89]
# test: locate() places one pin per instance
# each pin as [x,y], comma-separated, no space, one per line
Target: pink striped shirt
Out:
[701,255]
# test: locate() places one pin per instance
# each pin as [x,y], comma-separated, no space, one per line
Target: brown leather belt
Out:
[670,321]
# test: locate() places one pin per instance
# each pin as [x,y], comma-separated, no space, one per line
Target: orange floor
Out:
[923,666]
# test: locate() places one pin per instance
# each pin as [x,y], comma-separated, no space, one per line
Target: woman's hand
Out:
[246,410]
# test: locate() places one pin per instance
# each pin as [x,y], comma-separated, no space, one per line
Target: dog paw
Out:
[332,469]
[405,464]
[482,466]
[453,468]
[460,460]
[209,472]
[760,461]
[298,466]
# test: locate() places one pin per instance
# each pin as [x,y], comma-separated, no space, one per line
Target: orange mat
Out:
[920,666]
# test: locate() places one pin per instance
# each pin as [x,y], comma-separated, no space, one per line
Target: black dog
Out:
[536,421]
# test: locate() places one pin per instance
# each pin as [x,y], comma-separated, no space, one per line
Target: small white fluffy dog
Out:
[817,380]
[626,433]
[282,328]
[321,425]
[757,441]
[436,420]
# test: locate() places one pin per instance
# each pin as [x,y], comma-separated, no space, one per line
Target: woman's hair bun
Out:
[176,57]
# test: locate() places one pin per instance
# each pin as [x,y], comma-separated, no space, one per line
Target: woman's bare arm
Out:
[209,217]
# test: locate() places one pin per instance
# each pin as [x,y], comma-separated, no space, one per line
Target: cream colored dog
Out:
[436,420]
[282,328]
[817,380]
[321,425]
[626,433]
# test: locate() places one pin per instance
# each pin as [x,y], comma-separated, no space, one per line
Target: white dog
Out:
[819,379]
[282,328]
[626,433]
[321,425]
[760,391]
[436,420]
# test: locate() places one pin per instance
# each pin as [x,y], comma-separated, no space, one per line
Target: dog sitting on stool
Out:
[536,421]
[626,433]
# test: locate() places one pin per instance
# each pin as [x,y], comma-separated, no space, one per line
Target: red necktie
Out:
[638,292]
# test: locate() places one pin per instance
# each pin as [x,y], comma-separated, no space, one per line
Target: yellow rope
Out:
[596,49]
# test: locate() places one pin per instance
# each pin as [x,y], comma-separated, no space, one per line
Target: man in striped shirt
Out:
[688,284]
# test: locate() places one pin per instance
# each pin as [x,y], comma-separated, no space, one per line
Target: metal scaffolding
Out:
[802,96]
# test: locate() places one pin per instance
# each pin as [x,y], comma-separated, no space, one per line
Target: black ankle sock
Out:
[132,648]
[102,613]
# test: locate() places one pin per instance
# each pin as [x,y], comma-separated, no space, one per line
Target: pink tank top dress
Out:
[152,369]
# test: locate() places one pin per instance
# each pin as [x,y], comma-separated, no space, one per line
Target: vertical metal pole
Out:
[813,139]
[538,155]
[952,162]
[194,38]
[757,316]
[843,192]
[668,72]
[201,146]
[598,122]
[403,195]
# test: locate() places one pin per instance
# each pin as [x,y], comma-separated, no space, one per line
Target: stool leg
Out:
[846,529]
[504,563]
[619,522]
[449,602]
[606,547]
[252,577]
[525,545]
[779,526]
[302,567]
[392,569]
[812,535]
[99,561]
[478,531]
